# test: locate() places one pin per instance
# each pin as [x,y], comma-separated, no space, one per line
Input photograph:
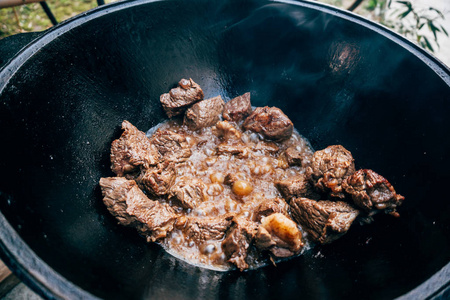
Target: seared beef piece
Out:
[268,207]
[158,180]
[188,192]
[280,235]
[372,192]
[115,191]
[131,206]
[157,218]
[325,221]
[266,147]
[238,149]
[297,186]
[171,146]
[131,150]
[178,99]
[225,130]
[204,113]
[293,156]
[329,168]
[238,108]
[238,240]
[270,122]
[201,230]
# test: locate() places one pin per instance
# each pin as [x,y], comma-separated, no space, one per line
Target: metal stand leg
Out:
[100,2]
[48,12]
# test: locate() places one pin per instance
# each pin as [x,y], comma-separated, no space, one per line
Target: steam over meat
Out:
[179,99]
[271,122]
[132,150]
[237,108]
[325,221]
[371,192]
[329,167]
[171,146]
[130,206]
[279,235]
[238,240]
[297,186]
[204,113]
[188,192]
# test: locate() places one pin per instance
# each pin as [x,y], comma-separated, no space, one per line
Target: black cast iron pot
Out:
[340,78]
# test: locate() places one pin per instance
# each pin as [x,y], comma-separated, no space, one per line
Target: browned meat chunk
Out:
[158,180]
[233,149]
[157,219]
[372,192]
[268,207]
[115,192]
[280,235]
[293,156]
[171,146]
[131,150]
[297,186]
[329,168]
[325,221]
[271,122]
[188,192]
[266,147]
[225,130]
[238,240]
[201,230]
[179,99]
[204,113]
[131,206]
[238,108]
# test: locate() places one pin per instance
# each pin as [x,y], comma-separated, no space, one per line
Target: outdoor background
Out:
[425,22]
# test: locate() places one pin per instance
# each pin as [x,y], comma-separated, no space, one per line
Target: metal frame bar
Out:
[48,12]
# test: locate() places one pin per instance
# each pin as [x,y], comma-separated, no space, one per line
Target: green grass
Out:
[31,17]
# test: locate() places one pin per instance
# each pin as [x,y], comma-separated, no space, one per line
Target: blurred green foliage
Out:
[409,21]
[31,17]
[414,23]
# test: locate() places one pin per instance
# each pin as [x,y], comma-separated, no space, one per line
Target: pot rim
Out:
[19,257]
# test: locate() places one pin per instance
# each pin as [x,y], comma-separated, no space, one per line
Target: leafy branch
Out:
[410,21]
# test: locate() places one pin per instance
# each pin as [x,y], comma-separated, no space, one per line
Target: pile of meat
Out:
[223,185]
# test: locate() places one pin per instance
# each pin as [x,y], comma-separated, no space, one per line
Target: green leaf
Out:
[437,11]
[422,44]
[427,42]
[421,25]
[407,3]
[405,13]
[433,29]
[444,31]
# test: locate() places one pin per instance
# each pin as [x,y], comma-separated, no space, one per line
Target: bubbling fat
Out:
[257,170]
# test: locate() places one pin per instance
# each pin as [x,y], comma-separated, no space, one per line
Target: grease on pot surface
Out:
[227,186]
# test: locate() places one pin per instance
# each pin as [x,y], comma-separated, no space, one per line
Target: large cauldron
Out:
[341,79]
